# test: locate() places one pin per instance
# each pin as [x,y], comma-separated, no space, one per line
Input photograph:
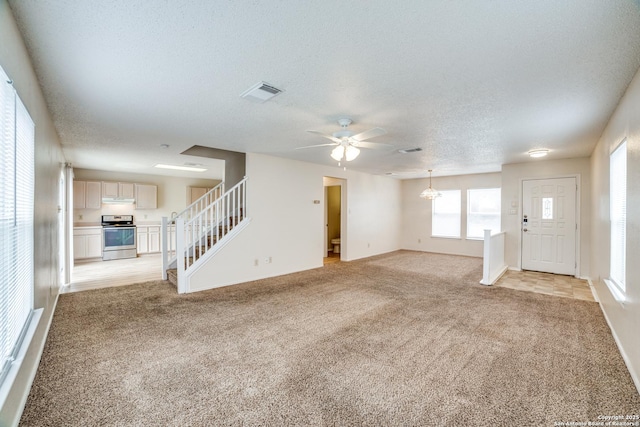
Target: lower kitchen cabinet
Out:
[87,242]
[148,239]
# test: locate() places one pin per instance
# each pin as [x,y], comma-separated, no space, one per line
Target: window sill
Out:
[447,237]
[11,374]
[615,291]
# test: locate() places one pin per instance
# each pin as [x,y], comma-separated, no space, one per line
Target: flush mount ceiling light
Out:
[538,153]
[180,168]
[165,146]
[430,193]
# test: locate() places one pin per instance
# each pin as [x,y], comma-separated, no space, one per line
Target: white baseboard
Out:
[496,277]
[634,375]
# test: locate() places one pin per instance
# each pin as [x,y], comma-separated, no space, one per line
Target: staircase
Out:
[201,230]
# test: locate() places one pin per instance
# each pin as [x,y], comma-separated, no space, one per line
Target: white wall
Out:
[416,214]
[623,318]
[288,227]
[48,163]
[512,176]
[172,195]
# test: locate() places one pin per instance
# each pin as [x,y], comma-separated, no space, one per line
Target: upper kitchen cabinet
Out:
[118,189]
[194,193]
[146,196]
[87,195]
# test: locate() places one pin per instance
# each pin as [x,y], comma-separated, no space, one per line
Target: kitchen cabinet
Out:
[87,242]
[154,239]
[143,239]
[146,196]
[118,189]
[148,239]
[87,195]
[126,190]
[194,193]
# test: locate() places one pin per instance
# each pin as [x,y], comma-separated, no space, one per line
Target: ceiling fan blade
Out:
[318,145]
[371,133]
[372,145]
[315,132]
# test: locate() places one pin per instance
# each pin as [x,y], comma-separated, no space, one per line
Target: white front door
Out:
[549,225]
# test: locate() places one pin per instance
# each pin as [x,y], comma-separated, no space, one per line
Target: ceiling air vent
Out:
[260,92]
[409,150]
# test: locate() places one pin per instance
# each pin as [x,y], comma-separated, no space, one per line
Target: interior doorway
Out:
[334,228]
[549,225]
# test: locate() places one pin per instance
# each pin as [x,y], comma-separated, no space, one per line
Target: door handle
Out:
[525,230]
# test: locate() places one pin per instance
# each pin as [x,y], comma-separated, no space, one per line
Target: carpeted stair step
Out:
[172,276]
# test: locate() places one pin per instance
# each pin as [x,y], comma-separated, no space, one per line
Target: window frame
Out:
[616,281]
[18,319]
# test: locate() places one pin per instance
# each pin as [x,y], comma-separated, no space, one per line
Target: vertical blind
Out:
[16,221]
[618,214]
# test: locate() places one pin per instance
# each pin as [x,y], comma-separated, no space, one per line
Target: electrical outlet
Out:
[267,260]
[255,262]
[368,245]
[145,216]
[270,260]
[80,216]
[419,240]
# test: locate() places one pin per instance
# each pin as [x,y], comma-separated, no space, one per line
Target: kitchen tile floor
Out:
[103,274]
[545,283]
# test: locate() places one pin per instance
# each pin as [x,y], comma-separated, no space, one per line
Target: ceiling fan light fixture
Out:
[338,153]
[430,193]
[351,152]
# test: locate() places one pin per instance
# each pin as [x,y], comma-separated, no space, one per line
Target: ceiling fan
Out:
[347,144]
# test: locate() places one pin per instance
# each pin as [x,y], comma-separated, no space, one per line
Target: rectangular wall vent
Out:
[260,92]
[410,150]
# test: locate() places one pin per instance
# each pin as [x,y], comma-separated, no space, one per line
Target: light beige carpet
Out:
[400,339]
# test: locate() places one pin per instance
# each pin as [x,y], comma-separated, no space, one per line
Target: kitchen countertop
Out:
[98,225]
[87,225]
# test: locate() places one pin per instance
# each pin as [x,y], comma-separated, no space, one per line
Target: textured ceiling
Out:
[475,84]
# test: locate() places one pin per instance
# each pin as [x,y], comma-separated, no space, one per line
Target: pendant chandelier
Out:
[430,193]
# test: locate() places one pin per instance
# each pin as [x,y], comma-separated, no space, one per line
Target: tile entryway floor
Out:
[545,283]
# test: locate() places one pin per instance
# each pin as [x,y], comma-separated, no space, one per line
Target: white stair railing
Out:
[198,234]
[199,205]
[168,230]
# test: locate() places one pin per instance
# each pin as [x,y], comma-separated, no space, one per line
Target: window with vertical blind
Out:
[618,215]
[16,223]
[445,216]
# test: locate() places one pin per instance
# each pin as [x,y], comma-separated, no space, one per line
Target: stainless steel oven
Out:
[118,237]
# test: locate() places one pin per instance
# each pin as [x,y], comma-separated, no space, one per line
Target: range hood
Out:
[118,201]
